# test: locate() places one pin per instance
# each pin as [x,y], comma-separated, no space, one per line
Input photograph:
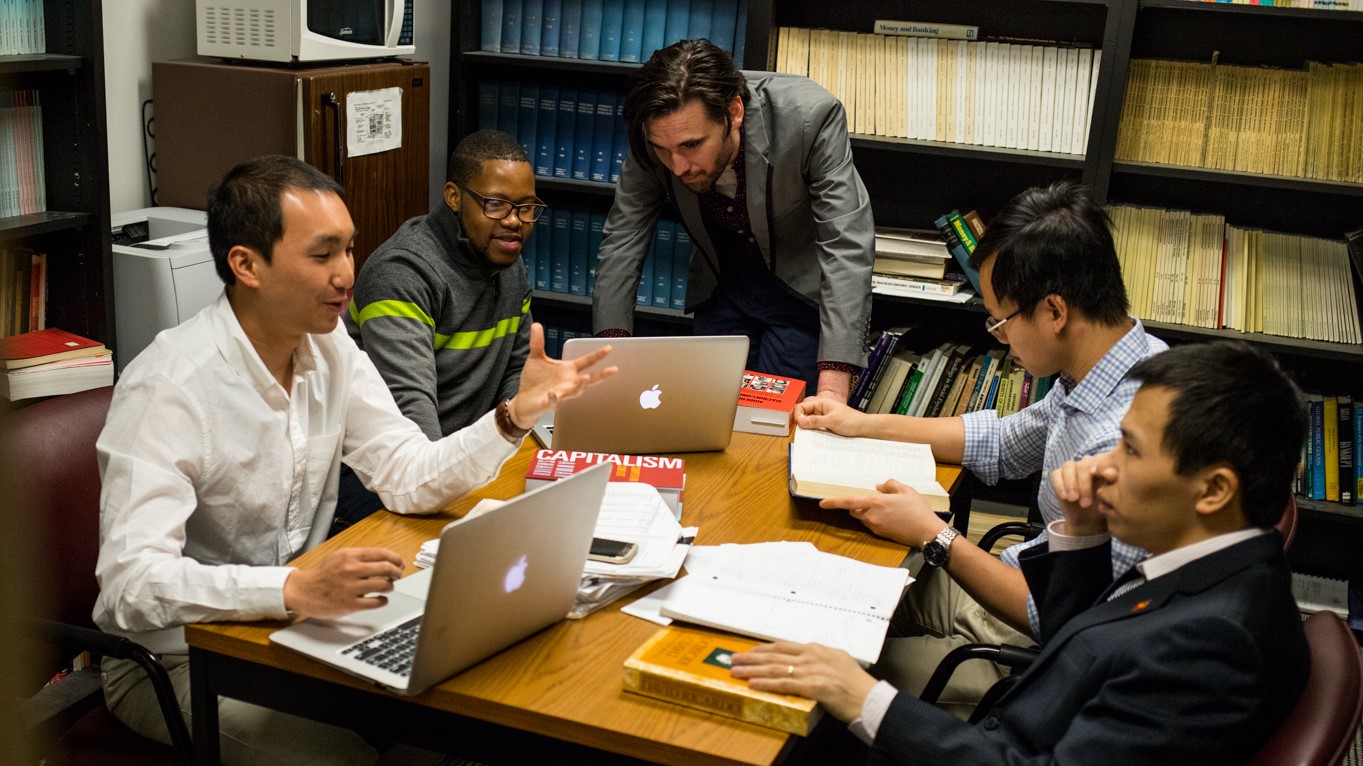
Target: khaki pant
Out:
[934,617]
[249,734]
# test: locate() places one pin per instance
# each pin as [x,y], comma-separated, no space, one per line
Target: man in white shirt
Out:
[1193,656]
[224,441]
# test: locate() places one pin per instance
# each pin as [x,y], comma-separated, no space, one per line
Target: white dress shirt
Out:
[214,476]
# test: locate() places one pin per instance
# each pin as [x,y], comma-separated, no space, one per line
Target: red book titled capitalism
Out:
[666,474]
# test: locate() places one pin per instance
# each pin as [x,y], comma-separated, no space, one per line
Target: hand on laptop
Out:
[341,583]
[545,382]
[823,412]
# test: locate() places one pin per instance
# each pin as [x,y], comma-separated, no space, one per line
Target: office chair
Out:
[51,446]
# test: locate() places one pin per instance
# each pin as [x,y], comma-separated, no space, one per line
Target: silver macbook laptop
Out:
[672,394]
[498,577]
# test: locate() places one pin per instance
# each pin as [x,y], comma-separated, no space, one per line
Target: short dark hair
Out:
[1232,406]
[466,161]
[244,207]
[675,75]
[1055,241]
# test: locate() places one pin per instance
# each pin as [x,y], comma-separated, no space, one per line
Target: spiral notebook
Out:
[790,594]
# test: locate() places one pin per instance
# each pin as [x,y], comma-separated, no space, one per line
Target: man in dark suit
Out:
[1195,655]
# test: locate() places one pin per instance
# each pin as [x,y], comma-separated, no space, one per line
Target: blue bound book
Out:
[740,32]
[655,27]
[511,26]
[1317,410]
[699,25]
[487,102]
[632,32]
[678,21]
[681,264]
[532,24]
[530,250]
[563,245]
[508,107]
[528,120]
[546,131]
[491,26]
[958,250]
[557,238]
[662,270]
[594,237]
[662,246]
[570,27]
[603,136]
[564,128]
[619,144]
[589,36]
[723,20]
[584,127]
[549,30]
[577,254]
[612,25]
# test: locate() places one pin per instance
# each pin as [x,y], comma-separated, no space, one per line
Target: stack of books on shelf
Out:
[911,81]
[574,133]
[23,28]
[609,30]
[1329,468]
[51,362]
[1197,270]
[23,188]
[23,291]
[949,380]
[1305,123]
[561,254]
[914,262]
[1320,5]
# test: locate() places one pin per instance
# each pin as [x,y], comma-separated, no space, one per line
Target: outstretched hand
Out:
[546,382]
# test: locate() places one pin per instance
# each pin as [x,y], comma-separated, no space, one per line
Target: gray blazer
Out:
[809,210]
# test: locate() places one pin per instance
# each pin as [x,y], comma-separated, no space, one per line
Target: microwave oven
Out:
[304,30]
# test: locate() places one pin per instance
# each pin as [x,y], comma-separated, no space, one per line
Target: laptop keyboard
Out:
[393,650]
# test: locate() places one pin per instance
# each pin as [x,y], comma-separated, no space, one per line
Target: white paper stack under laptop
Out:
[633,513]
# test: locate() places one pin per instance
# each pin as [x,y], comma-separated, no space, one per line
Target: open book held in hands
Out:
[823,464]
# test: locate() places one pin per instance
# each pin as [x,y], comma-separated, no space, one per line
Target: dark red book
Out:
[43,346]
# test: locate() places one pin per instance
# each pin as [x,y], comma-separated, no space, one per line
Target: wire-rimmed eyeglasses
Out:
[992,325]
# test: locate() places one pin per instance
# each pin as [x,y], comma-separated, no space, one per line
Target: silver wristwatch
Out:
[937,551]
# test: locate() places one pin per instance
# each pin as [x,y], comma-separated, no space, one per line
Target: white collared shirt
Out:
[214,476]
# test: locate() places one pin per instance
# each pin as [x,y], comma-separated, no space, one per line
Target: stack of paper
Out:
[634,513]
[783,592]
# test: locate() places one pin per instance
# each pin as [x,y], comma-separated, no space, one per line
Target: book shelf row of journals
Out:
[1329,469]
[986,93]
[949,380]
[609,30]
[23,27]
[561,258]
[576,133]
[1305,123]
[23,189]
[1198,270]
[23,291]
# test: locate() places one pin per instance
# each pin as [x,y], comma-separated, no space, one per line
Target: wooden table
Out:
[565,681]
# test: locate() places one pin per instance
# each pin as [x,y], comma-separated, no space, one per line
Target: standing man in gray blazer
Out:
[759,169]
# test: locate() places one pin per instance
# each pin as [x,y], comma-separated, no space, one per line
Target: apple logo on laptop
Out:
[651,399]
[515,576]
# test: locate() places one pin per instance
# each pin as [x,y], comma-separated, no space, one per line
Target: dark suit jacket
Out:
[1198,666]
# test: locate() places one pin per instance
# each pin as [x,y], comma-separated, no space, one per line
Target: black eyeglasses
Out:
[497,209]
[992,325]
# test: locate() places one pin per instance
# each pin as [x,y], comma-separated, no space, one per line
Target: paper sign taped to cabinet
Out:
[374,120]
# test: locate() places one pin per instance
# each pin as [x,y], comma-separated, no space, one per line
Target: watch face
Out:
[935,554]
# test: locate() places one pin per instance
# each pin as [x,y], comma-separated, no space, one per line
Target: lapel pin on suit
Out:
[1141,605]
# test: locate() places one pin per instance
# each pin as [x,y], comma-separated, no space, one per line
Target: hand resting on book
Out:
[829,676]
[896,512]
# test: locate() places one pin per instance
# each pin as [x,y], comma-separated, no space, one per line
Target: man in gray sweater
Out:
[443,306]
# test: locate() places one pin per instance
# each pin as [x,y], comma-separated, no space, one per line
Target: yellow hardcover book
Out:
[1332,449]
[691,667]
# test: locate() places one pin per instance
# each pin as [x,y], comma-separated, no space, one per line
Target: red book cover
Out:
[666,474]
[765,402]
[43,346]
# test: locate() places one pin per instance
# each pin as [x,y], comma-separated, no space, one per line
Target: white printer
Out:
[163,274]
